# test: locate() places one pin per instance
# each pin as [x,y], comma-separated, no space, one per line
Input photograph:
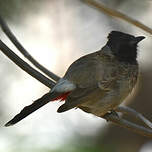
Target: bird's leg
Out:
[111,113]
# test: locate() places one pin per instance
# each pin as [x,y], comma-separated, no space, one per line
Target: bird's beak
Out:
[137,39]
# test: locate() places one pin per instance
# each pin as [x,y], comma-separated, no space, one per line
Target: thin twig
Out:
[129,125]
[133,113]
[26,54]
[117,14]
[25,66]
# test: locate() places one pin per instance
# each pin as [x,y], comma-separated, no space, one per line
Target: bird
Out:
[96,83]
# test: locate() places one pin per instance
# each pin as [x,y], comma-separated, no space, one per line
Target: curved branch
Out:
[129,125]
[134,113]
[19,46]
[25,66]
[117,14]
[49,83]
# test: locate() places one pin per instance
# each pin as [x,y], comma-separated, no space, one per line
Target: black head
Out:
[124,46]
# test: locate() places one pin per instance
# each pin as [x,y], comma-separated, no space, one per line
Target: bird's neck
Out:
[108,54]
[127,60]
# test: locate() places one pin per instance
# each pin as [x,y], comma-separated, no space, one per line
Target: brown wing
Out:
[86,95]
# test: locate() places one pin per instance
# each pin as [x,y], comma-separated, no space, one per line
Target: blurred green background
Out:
[57,32]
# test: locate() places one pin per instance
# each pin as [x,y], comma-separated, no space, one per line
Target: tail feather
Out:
[63,108]
[33,107]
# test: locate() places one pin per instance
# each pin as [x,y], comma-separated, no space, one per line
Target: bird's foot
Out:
[111,113]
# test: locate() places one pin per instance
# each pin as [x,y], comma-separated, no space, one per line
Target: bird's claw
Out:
[111,113]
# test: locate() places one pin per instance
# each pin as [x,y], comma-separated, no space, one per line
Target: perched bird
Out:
[96,83]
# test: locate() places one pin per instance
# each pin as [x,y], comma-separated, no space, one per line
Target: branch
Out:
[25,66]
[19,46]
[129,125]
[49,83]
[132,112]
[117,14]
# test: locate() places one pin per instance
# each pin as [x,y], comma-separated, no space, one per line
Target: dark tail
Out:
[31,108]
